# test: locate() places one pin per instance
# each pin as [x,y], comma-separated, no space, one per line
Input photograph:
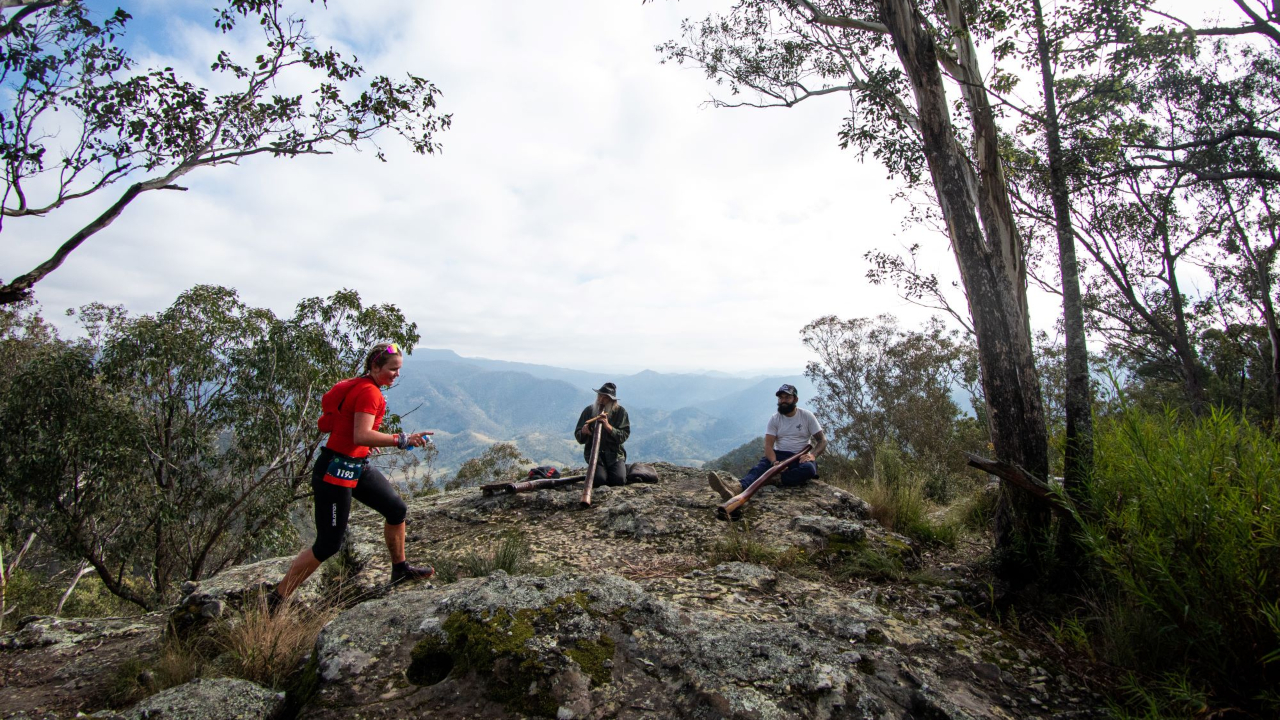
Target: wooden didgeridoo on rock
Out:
[735,503]
[520,486]
[591,466]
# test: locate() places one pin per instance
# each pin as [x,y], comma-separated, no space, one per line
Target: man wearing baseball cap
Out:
[611,467]
[788,431]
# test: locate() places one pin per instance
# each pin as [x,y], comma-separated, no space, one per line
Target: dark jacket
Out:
[611,449]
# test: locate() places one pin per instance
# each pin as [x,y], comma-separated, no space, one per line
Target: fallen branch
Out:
[1017,476]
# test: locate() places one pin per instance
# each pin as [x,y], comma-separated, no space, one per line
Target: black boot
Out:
[404,572]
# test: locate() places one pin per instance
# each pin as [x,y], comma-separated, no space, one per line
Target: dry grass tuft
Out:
[268,649]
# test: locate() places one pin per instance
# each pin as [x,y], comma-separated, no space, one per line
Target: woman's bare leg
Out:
[394,535]
[301,569]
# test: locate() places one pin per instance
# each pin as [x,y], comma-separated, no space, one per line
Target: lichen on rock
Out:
[206,699]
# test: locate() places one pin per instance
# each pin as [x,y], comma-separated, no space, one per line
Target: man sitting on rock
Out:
[611,465]
[788,431]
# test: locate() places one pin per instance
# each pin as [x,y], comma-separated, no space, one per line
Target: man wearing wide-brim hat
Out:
[788,432]
[611,465]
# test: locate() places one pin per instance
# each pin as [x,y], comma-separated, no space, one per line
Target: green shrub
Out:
[500,461]
[976,511]
[1187,535]
[30,593]
[868,563]
[896,494]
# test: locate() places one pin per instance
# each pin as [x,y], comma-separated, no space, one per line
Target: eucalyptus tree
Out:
[498,462]
[1139,234]
[907,71]
[168,447]
[81,120]
[1228,139]
[1170,121]
[1247,265]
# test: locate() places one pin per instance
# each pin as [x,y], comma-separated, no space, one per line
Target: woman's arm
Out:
[362,433]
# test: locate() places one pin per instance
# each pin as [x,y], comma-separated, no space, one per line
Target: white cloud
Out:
[587,211]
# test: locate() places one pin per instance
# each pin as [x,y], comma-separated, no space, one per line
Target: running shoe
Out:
[404,572]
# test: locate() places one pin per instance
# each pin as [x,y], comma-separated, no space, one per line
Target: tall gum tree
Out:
[1162,123]
[900,67]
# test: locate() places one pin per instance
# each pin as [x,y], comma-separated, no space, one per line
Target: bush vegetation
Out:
[498,462]
[30,592]
[1184,531]
[896,492]
[182,438]
[252,644]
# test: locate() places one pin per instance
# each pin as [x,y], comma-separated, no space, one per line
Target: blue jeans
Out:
[791,477]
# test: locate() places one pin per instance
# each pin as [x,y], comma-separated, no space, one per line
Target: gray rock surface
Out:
[642,606]
[830,528]
[57,634]
[206,699]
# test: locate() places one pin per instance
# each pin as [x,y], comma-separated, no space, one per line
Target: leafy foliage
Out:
[80,117]
[29,592]
[168,447]
[883,386]
[1187,535]
[500,461]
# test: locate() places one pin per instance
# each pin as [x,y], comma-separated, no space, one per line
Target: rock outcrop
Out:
[643,606]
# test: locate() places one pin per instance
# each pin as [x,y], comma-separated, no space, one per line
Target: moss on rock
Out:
[481,644]
[591,656]
[497,643]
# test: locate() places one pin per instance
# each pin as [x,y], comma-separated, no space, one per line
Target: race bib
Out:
[344,471]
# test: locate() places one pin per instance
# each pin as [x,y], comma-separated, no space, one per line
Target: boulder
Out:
[206,699]
[591,646]
[831,529]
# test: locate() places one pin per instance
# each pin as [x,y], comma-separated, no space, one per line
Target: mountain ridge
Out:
[685,418]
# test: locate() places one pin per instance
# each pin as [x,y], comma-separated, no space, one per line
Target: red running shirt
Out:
[363,398]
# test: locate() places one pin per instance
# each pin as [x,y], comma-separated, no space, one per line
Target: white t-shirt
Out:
[793,432]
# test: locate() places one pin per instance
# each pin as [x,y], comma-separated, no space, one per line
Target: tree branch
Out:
[20,287]
[29,7]
[1246,132]
[819,17]
[1018,477]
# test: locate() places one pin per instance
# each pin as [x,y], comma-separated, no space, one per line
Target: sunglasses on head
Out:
[392,349]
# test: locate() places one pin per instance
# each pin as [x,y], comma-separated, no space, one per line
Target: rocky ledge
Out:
[633,608]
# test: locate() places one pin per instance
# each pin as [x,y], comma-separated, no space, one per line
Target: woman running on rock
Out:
[353,410]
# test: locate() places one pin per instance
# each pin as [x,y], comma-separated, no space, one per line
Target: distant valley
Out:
[683,418]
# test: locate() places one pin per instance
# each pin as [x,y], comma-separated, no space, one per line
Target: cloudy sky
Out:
[589,210]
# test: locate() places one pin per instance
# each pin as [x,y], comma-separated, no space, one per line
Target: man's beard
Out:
[608,407]
[786,408]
